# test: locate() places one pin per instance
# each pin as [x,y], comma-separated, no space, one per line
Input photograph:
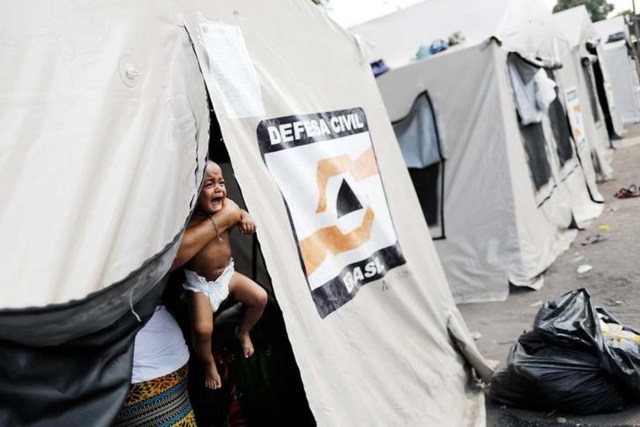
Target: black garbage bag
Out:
[543,376]
[568,362]
[623,348]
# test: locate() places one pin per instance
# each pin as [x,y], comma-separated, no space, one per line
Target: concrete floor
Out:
[614,283]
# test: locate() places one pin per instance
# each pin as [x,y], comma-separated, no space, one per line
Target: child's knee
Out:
[261,297]
[203,329]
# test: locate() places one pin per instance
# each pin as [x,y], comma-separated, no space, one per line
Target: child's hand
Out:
[247,226]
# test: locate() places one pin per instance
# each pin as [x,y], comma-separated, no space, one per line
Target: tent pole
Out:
[636,45]
[635,30]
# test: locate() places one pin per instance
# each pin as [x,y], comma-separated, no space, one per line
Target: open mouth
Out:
[216,202]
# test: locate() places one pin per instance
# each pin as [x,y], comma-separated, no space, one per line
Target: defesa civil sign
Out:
[326,169]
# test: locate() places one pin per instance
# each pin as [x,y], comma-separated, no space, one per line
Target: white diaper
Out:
[216,290]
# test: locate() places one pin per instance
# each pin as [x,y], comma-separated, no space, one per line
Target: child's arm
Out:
[244,220]
[199,235]
[247,225]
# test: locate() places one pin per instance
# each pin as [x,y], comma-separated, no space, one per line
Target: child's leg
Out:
[254,298]
[202,328]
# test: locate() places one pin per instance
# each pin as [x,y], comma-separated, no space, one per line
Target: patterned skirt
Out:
[161,401]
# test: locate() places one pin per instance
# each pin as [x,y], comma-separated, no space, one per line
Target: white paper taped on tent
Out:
[574,111]
[503,199]
[232,70]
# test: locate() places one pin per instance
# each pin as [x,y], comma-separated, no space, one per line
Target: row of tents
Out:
[106,121]
[619,57]
[505,178]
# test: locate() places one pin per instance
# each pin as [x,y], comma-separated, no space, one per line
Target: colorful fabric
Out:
[161,401]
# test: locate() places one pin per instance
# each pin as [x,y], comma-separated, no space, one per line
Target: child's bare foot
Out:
[211,377]
[245,341]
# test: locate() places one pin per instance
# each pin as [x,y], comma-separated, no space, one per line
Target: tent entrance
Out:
[601,90]
[535,146]
[524,78]
[421,146]
[560,127]
[587,71]
[566,146]
[267,388]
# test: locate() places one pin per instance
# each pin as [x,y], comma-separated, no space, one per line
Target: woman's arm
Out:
[198,235]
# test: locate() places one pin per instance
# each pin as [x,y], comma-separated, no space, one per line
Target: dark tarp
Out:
[535,147]
[586,70]
[560,127]
[425,181]
[70,364]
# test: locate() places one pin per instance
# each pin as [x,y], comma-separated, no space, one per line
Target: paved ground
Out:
[614,283]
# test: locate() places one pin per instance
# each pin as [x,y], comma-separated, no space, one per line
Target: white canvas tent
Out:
[578,93]
[617,56]
[578,30]
[506,198]
[573,87]
[104,119]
